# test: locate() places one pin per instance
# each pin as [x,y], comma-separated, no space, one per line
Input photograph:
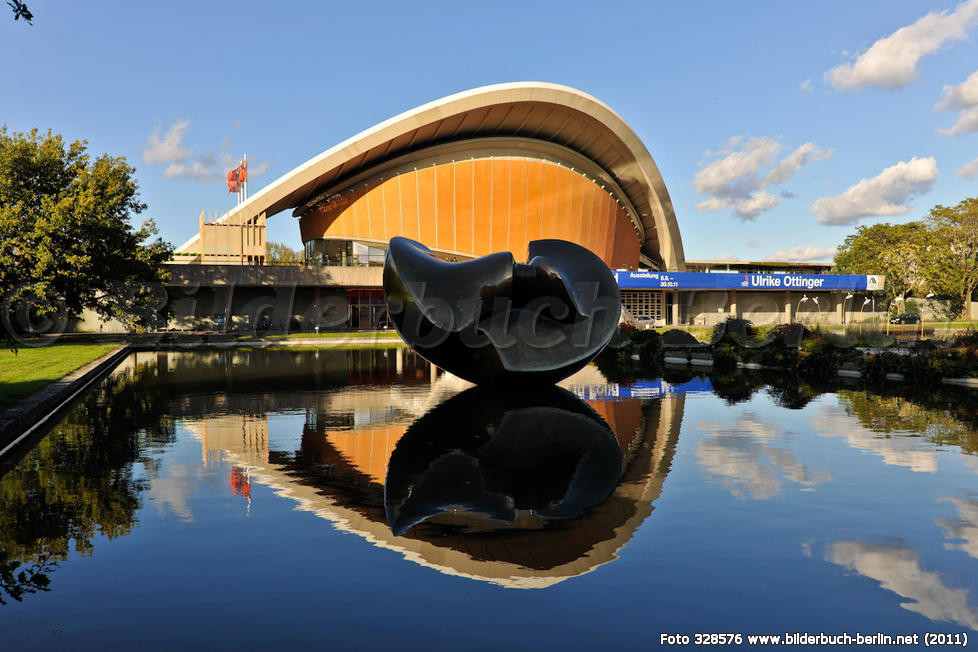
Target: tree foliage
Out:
[897,251]
[66,240]
[21,11]
[938,255]
[954,268]
[282,254]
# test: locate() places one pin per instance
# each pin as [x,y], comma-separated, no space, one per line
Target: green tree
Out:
[281,254]
[66,238]
[953,269]
[900,252]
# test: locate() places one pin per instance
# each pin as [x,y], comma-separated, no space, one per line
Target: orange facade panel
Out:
[479,206]
[427,206]
[445,209]
[516,236]
[482,204]
[499,203]
[464,190]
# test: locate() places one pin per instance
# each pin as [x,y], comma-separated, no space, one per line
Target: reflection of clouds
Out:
[970,461]
[744,458]
[914,453]
[897,569]
[964,527]
[173,491]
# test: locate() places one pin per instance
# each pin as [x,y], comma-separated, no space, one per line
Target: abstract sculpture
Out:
[494,452]
[494,321]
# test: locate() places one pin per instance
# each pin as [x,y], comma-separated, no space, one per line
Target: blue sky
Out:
[777,126]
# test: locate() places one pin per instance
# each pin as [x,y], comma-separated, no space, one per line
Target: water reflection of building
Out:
[339,470]
[246,435]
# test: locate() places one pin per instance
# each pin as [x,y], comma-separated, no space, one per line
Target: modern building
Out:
[482,171]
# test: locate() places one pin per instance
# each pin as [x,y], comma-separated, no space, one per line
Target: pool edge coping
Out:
[32,412]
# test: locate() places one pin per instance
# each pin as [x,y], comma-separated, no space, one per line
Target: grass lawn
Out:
[29,370]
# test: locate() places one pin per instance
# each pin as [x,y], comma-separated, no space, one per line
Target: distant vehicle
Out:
[906,318]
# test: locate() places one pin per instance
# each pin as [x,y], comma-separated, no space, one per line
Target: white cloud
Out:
[753,244]
[786,168]
[170,149]
[888,193]
[806,86]
[736,180]
[892,61]
[804,253]
[196,170]
[183,163]
[970,170]
[964,98]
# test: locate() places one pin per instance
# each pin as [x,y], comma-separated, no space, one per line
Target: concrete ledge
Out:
[843,373]
[35,410]
[319,343]
[961,382]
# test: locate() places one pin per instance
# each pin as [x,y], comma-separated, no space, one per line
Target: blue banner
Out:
[650,280]
[642,389]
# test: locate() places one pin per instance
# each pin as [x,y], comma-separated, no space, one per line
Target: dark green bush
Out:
[724,357]
[736,329]
[967,339]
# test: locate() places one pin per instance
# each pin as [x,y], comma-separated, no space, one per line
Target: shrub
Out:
[875,367]
[739,329]
[724,357]
[650,350]
[967,339]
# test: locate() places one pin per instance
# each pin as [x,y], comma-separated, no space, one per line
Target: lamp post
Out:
[818,313]
[861,308]
[930,295]
[803,299]
[848,296]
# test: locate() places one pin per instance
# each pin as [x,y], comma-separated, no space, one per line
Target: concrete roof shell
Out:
[535,110]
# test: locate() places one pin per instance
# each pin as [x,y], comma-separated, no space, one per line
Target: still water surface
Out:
[216,498]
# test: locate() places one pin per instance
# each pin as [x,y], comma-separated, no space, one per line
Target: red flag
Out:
[233,185]
[237,176]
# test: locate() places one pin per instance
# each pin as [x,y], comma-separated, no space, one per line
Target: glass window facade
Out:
[343,253]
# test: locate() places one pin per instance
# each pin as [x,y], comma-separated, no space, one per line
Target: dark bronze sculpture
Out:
[494,321]
[492,453]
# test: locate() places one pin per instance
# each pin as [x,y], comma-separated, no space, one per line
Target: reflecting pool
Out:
[357,499]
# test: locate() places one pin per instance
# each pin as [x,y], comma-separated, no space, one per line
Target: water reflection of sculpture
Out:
[504,455]
[335,475]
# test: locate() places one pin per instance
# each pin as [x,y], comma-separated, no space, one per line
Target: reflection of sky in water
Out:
[745,517]
[901,449]
[964,528]
[898,569]
[750,458]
